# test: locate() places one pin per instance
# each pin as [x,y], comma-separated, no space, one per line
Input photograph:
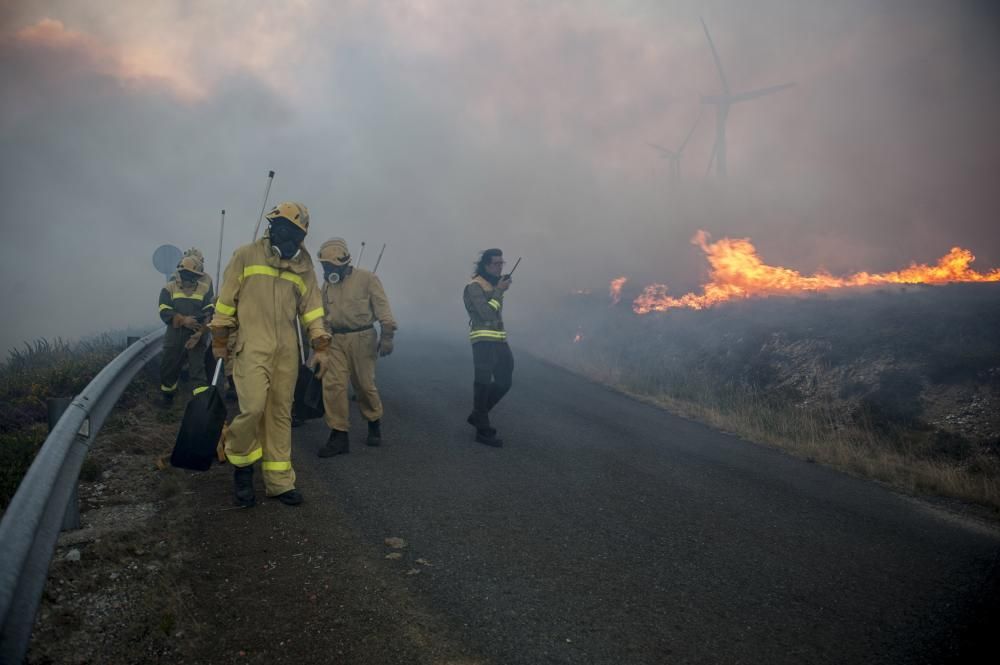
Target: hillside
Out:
[910,375]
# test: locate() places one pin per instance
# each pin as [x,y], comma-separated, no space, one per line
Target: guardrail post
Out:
[71,520]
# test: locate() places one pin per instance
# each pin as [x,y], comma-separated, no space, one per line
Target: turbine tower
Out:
[675,155]
[723,102]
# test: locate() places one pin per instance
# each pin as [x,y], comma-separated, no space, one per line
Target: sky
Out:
[441,128]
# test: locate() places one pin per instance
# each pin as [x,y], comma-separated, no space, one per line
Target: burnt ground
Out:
[606,531]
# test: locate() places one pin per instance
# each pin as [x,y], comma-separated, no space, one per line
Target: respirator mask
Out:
[189,280]
[286,238]
[333,274]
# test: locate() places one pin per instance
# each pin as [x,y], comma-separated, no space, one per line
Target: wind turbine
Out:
[723,102]
[675,155]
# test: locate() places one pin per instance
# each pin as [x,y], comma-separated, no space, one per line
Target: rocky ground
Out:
[159,571]
[117,592]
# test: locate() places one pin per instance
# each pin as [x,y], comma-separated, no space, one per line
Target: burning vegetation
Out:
[902,385]
[737,272]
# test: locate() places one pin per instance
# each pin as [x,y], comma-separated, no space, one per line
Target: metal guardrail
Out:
[31,524]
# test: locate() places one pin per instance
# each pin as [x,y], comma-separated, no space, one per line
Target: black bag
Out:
[201,428]
[308,395]
[308,402]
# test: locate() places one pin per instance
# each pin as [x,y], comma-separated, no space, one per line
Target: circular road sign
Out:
[166,258]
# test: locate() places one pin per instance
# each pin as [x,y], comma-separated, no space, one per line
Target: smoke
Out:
[441,128]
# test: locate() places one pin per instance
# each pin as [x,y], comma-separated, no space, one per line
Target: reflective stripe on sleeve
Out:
[163,307]
[223,308]
[245,460]
[200,390]
[312,315]
[494,303]
[168,389]
[276,466]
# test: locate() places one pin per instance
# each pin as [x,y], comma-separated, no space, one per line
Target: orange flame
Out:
[738,272]
[616,289]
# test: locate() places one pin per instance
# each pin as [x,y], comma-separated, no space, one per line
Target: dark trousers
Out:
[494,372]
[174,356]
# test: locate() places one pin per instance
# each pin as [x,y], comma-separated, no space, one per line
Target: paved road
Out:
[605,531]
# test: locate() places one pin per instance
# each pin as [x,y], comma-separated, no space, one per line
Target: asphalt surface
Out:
[604,531]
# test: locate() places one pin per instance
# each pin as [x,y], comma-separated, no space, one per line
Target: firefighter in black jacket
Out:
[491,357]
[186,303]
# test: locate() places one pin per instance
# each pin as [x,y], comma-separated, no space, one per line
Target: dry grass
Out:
[820,435]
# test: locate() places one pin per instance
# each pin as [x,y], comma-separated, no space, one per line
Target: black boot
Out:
[481,421]
[243,487]
[489,437]
[292,497]
[479,418]
[338,444]
[374,433]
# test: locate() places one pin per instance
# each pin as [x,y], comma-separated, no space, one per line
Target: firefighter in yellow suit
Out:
[267,284]
[354,301]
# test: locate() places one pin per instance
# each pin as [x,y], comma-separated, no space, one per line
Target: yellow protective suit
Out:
[261,295]
[352,306]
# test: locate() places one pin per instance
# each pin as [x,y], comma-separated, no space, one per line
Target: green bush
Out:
[32,374]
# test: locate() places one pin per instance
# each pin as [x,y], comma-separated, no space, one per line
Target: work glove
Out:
[321,359]
[181,321]
[194,339]
[385,345]
[220,344]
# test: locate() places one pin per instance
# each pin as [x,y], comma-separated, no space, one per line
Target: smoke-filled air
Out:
[802,145]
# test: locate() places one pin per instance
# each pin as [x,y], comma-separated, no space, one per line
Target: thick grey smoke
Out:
[442,128]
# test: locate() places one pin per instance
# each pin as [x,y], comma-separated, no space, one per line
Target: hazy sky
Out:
[444,127]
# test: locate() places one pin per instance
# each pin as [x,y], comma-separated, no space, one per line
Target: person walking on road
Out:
[491,357]
[267,284]
[186,303]
[354,301]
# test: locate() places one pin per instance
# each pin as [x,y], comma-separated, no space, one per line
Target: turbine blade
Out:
[708,169]
[715,55]
[701,112]
[664,151]
[754,94]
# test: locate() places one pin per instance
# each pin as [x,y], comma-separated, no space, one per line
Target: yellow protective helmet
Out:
[296,213]
[196,253]
[191,264]
[334,251]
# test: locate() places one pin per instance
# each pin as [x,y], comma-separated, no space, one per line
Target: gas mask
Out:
[189,280]
[286,238]
[334,273]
